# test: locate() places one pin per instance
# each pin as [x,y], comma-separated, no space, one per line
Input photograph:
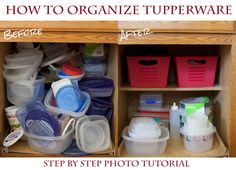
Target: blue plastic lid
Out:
[41,123]
[95,82]
[70,98]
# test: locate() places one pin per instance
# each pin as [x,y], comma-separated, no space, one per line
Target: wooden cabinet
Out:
[193,38]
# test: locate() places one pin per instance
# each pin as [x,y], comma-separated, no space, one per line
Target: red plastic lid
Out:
[70,70]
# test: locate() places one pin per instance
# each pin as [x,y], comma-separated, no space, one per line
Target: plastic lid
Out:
[59,84]
[49,61]
[69,98]
[42,124]
[70,70]
[13,137]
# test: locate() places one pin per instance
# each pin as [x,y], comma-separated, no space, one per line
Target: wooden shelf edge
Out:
[21,149]
[171,88]
[176,149]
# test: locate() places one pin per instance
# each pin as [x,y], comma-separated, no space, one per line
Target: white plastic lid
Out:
[13,137]
[59,84]
[198,132]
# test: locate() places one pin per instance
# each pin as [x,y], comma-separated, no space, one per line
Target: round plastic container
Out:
[198,140]
[92,133]
[146,146]
[144,128]
[21,92]
[50,145]
[50,104]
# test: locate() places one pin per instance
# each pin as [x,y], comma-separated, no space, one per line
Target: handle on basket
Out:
[148,62]
[197,62]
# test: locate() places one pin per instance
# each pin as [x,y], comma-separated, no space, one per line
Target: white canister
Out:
[11,117]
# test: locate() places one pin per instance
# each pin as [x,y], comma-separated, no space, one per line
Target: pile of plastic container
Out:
[20,72]
[144,136]
[70,109]
[151,105]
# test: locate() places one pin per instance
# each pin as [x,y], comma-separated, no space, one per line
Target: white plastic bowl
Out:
[198,141]
[144,128]
[50,145]
[146,146]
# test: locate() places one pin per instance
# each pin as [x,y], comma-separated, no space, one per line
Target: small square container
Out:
[92,133]
[97,86]
[149,147]
[21,92]
[94,70]
[151,100]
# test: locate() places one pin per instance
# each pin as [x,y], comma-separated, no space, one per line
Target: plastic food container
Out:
[93,51]
[199,142]
[50,104]
[23,91]
[151,100]
[97,86]
[24,58]
[50,145]
[197,104]
[53,50]
[146,146]
[198,134]
[94,70]
[144,128]
[62,75]
[92,133]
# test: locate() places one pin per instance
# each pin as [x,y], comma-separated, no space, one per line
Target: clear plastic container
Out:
[146,146]
[50,145]
[24,58]
[50,104]
[201,141]
[94,70]
[21,73]
[97,86]
[92,133]
[151,100]
[21,92]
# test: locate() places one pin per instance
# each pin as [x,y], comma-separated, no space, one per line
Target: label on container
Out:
[94,50]
[204,138]
[194,108]
[13,122]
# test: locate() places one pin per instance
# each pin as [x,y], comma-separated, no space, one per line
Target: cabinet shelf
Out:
[172,87]
[175,148]
[22,149]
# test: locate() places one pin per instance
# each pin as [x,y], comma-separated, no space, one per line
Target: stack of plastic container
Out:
[197,128]
[151,105]
[144,136]
[94,56]
[100,89]
[20,72]
[45,133]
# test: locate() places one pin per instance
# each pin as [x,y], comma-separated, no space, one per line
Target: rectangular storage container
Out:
[196,71]
[151,100]
[148,71]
